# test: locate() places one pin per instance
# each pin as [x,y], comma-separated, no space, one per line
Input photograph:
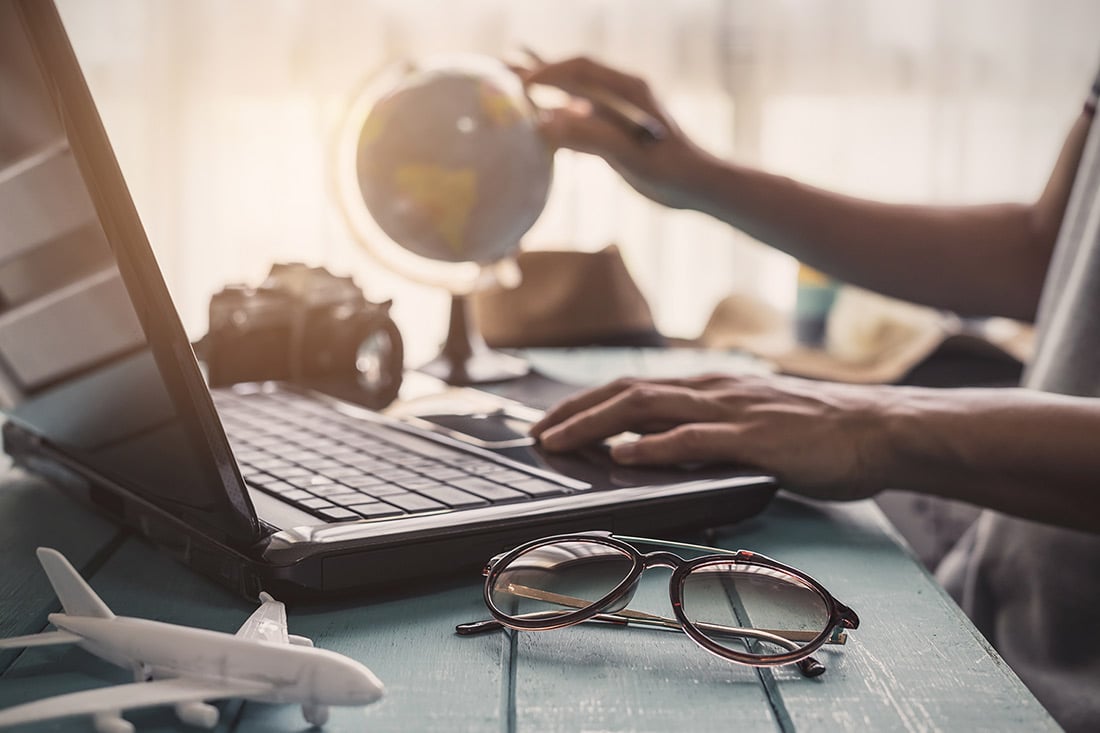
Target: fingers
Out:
[577,128]
[692,443]
[636,408]
[620,116]
[578,403]
[575,75]
[582,401]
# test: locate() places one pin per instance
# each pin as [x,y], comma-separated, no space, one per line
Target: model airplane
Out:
[187,667]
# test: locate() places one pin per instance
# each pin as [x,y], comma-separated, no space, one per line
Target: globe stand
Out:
[466,358]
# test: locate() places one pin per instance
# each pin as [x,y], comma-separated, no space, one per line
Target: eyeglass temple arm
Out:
[783,637]
[808,666]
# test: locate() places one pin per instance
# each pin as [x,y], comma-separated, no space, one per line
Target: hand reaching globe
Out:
[452,170]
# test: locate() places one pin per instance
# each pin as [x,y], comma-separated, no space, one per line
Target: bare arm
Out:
[1026,453]
[982,260]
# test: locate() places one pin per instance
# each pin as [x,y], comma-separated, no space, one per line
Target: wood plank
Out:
[37,514]
[596,677]
[916,663]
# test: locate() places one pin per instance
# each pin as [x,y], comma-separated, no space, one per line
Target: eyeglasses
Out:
[739,605]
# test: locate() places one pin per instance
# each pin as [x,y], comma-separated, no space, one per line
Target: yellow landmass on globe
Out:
[445,196]
[497,106]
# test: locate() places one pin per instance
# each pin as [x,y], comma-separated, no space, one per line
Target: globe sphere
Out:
[450,163]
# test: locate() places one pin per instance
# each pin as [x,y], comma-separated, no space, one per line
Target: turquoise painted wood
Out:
[33,513]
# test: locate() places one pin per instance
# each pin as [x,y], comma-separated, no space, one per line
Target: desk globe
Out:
[451,172]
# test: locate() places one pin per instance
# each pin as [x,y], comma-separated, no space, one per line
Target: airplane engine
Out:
[299,640]
[198,714]
[111,723]
[315,714]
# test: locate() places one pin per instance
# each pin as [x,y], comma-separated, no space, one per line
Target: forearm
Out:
[1026,453]
[977,260]
[939,256]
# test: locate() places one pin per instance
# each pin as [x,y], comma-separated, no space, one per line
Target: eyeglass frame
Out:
[840,615]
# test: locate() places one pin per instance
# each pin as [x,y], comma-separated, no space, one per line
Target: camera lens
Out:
[379,363]
[372,359]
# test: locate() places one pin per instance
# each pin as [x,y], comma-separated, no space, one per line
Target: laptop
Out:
[261,486]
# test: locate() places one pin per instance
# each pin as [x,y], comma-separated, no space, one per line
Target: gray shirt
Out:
[1034,589]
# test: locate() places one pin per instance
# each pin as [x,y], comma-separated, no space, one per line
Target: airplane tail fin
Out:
[76,596]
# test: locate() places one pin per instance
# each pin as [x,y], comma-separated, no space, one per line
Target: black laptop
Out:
[262,486]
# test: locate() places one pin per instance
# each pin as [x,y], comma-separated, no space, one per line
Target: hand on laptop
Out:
[821,439]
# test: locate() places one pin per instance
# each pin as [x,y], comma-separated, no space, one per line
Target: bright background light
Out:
[223,116]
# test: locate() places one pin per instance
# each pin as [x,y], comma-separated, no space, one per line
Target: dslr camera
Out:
[307,326]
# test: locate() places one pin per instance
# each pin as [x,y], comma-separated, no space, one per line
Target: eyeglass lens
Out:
[746,608]
[553,580]
[753,609]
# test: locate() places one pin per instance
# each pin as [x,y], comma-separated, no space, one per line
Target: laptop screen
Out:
[93,359]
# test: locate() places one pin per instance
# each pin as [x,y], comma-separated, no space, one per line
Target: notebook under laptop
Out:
[308,494]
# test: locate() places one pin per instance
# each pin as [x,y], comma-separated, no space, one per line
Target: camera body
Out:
[307,326]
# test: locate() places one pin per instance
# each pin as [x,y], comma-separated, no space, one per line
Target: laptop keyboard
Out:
[340,468]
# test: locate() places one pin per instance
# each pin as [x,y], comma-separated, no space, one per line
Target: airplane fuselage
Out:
[297,674]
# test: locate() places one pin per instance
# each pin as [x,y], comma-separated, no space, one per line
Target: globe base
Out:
[466,359]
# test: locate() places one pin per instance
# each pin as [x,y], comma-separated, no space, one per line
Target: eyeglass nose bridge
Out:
[662,559]
[659,559]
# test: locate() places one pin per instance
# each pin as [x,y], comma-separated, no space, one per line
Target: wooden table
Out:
[915,664]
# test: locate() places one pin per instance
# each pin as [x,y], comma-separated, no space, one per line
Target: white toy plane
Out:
[184,666]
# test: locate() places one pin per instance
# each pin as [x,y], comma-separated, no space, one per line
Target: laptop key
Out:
[448,474]
[269,463]
[375,509]
[414,502]
[326,490]
[453,498]
[309,483]
[538,487]
[394,474]
[417,483]
[341,472]
[487,489]
[363,481]
[348,499]
[337,514]
[384,489]
[503,474]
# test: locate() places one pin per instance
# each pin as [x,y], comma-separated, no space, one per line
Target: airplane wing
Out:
[267,623]
[44,639]
[126,697]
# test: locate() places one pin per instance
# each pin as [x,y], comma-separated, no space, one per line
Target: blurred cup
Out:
[815,297]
